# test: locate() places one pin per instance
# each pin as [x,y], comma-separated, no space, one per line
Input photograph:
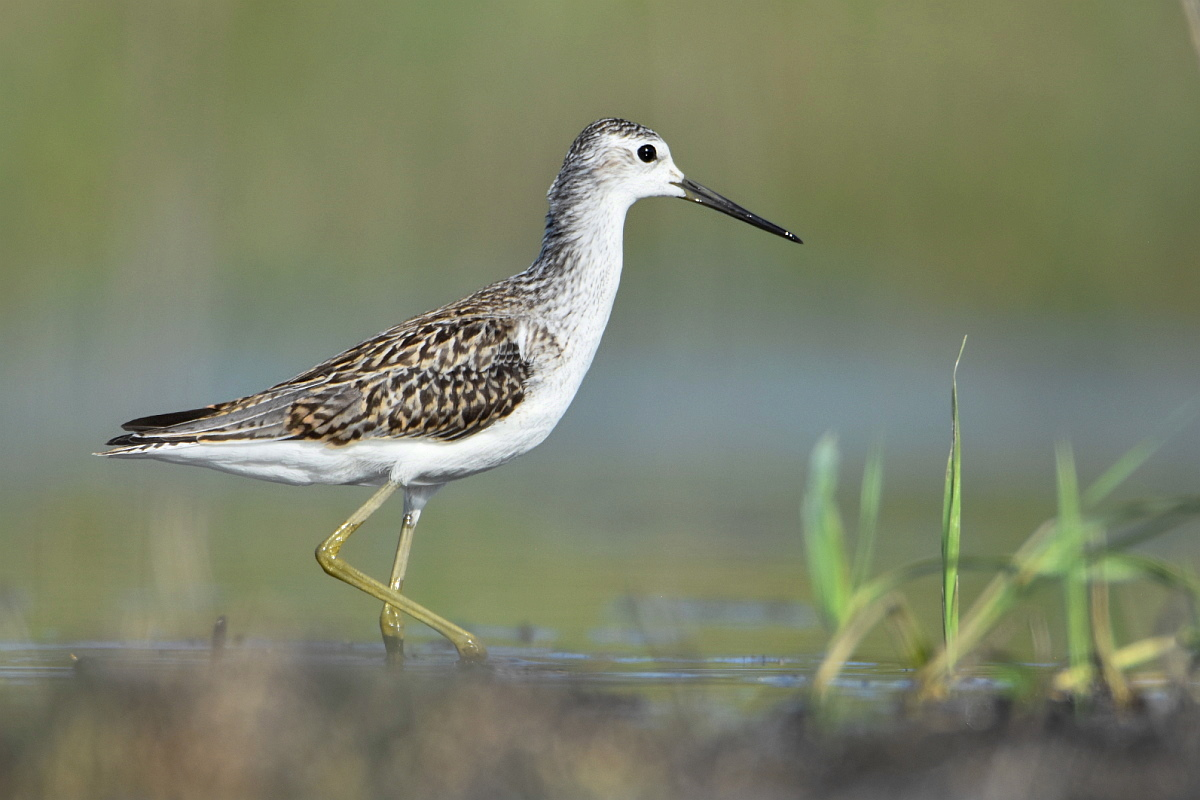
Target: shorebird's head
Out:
[626,162]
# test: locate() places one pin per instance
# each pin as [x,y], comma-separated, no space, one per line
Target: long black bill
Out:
[707,197]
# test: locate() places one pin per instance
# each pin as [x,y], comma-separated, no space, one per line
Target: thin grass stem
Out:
[1140,453]
[870,499]
[824,535]
[1072,539]
[952,524]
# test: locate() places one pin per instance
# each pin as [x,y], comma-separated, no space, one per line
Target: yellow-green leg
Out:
[468,646]
[391,621]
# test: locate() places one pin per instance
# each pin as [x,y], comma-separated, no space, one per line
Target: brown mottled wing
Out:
[442,379]
[435,377]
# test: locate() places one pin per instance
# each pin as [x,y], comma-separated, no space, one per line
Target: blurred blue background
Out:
[199,199]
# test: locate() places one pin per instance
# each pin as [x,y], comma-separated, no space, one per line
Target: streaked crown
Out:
[617,156]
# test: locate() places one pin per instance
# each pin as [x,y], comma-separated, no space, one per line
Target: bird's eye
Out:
[647,153]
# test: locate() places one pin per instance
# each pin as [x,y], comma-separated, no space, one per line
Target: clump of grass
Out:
[1076,549]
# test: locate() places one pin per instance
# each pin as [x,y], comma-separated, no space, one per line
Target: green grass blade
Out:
[1147,519]
[846,639]
[1072,538]
[1032,561]
[914,645]
[1140,453]
[1130,656]
[873,590]
[824,535]
[1120,566]
[1104,642]
[865,610]
[1103,639]
[952,524]
[868,516]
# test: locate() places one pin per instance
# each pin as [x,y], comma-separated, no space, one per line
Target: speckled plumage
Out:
[442,376]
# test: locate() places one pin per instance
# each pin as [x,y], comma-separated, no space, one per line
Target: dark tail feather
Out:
[118,441]
[164,421]
[260,416]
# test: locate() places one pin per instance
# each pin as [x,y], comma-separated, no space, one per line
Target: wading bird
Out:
[448,394]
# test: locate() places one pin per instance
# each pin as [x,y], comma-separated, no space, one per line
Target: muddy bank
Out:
[268,727]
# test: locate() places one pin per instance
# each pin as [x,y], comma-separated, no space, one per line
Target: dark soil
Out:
[266,727]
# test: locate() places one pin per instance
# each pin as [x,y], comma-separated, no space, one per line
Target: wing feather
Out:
[440,376]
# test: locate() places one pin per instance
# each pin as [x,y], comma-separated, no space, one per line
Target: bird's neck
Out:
[579,266]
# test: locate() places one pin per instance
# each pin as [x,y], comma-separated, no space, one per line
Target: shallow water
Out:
[738,685]
[23,662]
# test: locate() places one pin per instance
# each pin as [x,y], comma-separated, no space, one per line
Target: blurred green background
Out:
[199,199]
